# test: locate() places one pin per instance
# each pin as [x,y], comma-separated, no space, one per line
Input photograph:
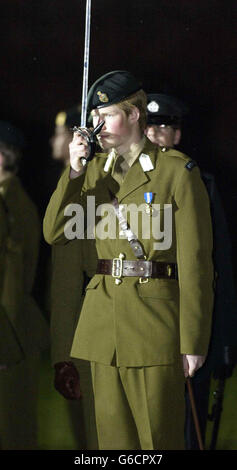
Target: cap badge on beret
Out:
[102,97]
[153,107]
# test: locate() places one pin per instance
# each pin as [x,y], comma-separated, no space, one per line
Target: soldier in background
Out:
[10,351]
[72,267]
[62,136]
[3,243]
[19,380]
[165,117]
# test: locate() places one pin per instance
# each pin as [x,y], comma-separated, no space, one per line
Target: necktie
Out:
[120,169]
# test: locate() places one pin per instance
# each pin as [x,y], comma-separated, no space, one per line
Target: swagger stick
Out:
[195,416]
[86,64]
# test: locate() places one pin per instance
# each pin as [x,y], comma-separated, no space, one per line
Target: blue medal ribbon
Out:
[148,197]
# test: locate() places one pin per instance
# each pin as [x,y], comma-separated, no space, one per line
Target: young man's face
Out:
[165,136]
[116,129]
[60,143]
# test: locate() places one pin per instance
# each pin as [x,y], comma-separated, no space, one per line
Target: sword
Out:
[87,133]
[86,64]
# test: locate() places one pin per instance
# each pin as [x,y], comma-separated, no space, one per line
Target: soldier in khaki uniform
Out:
[72,267]
[3,238]
[10,351]
[145,322]
[164,127]
[19,382]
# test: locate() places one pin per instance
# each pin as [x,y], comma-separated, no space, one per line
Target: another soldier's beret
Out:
[165,109]
[112,88]
[69,118]
[10,135]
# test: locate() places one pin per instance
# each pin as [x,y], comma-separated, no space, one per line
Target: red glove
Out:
[67,381]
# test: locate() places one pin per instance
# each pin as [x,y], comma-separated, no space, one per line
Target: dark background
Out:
[184,47]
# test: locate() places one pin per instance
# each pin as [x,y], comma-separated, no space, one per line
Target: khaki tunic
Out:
[21,263]
[69,263]
[145,324]
[18,411]
[10,350]
[3,237]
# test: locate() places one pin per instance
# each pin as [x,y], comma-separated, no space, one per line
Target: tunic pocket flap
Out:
[159,289]
[94,282]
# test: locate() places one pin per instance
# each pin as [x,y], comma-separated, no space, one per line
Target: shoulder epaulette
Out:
[171,152]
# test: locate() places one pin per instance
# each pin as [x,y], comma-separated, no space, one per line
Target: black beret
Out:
[112,88]
[165,109]
[70,117]
[10,135]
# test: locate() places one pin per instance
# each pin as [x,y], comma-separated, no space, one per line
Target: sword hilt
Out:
[89,135]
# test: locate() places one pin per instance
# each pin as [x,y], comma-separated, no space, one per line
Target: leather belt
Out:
[118,268]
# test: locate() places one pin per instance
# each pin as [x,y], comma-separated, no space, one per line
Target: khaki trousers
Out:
[82,412]
[18,405]
[139,407]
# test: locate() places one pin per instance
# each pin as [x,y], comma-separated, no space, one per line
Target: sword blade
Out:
[86,64]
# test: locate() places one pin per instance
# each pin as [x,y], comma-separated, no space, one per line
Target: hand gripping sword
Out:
[88,134]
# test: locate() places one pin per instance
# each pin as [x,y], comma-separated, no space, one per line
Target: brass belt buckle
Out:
[117,268]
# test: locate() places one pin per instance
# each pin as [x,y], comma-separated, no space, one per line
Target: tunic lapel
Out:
[136,176]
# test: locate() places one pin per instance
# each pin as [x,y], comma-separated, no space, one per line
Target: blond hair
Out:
[138,99]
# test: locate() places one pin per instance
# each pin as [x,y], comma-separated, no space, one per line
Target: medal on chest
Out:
[148,199]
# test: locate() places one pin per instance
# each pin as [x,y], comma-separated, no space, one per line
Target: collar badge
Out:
[110,160]
[146,162]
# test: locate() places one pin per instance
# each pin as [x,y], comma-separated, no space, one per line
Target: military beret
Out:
[69,118]
[165,109]
[112,88]
[10,135]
